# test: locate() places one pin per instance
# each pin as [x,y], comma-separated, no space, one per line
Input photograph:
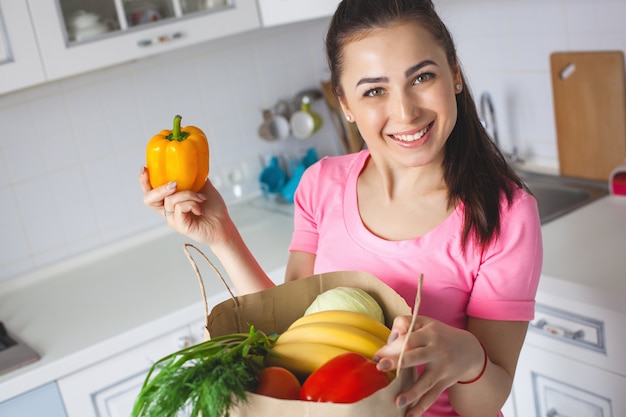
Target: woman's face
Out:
[400,90]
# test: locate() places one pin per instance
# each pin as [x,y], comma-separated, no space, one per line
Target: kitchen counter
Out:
[104,303]
[585,256]
[100,304]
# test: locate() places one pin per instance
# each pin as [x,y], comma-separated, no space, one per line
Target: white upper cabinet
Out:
[279,12]
[48,40]
[20,65]
[76,36]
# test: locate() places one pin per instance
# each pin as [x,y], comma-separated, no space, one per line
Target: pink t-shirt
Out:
[499,284]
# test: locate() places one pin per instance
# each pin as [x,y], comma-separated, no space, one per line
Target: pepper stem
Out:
[177,134]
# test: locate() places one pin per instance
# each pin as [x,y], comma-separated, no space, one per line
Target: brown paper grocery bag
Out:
[274,309]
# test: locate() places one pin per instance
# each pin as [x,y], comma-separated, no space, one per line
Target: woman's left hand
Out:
[447,355]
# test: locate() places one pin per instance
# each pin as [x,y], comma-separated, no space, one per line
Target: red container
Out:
[617,182]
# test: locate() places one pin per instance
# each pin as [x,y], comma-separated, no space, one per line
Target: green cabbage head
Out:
[347,298]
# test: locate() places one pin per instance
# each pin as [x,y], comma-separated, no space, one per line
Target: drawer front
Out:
[550,385]
[584,332]
[575,329]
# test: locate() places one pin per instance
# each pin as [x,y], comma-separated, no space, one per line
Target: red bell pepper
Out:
[347,378]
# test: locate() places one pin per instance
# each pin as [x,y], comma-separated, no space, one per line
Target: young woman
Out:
[431,194]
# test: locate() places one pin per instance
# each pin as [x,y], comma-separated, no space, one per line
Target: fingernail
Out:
[171,185]
[202,197]
[384,365]
[402,402]
[142,171]
[392,336]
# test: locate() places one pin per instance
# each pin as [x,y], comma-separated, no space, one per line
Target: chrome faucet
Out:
[486,105]
[487,110]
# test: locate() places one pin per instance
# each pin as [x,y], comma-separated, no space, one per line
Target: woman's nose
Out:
[405,107]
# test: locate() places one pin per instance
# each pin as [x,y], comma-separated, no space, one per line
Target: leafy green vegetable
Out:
[205,379]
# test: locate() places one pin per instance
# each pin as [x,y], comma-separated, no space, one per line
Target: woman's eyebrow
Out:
[417,67]
[407,73]
[372,80]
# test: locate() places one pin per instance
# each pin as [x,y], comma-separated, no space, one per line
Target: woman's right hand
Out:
[201,216]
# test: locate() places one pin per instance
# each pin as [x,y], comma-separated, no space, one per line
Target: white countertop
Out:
[585,253]
[97,305]
[103,303]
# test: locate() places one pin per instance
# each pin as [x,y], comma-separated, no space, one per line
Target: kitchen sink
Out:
[558,195]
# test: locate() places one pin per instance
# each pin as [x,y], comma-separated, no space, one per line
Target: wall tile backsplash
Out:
[71,150]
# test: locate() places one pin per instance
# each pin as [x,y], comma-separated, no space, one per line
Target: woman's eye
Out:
[374,92]
[422,78]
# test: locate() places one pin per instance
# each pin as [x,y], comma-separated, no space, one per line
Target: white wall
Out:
[70,151]
[505,47]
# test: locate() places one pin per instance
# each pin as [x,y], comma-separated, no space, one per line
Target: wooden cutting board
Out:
[590,110]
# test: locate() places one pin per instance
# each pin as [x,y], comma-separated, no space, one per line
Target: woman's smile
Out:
[412,136]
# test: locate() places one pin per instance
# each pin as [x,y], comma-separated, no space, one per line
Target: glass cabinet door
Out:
[193,6]
[85,20]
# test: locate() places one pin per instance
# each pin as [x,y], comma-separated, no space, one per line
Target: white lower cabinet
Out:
[109,388]
[551,385]
[572,363]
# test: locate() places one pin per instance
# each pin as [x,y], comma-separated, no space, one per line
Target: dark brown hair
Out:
[475,170]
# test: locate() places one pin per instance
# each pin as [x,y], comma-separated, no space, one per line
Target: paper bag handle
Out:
[418,300]
[201,281]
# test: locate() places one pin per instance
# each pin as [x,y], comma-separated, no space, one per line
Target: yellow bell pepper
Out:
[181,155]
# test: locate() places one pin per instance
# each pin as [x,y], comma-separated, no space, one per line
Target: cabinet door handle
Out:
[553,413]
[184,342]
[560,331]
[166,37]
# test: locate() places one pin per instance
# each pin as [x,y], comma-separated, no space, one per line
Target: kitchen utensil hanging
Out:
[305,122]
[275,126]
[280,122]
[349,136]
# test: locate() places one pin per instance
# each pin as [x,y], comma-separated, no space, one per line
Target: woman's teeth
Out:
[413,137]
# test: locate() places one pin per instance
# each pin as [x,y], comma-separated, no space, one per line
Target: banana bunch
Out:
[314,339]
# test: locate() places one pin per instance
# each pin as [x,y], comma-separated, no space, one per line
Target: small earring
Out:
[348,118]
[458,87]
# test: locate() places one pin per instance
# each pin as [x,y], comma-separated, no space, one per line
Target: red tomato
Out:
[278,382]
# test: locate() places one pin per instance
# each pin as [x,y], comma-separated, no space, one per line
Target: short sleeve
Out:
[506,284]
[305,234]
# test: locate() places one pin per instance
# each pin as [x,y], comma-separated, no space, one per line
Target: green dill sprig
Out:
[206,379]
